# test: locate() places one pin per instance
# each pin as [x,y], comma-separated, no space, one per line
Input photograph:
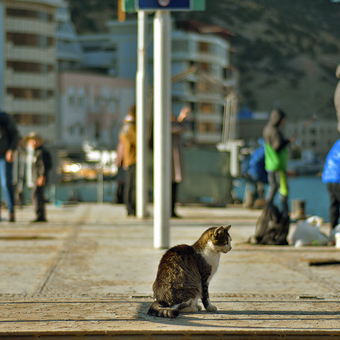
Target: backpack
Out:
[272,227]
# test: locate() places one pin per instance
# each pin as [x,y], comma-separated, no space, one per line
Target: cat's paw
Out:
[199,307]
[211,308]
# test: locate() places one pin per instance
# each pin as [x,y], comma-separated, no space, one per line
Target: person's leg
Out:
[333,204]
[130,190]
[283,198]
[173,198]
[7,185]
[40,204]
[260,189]
[273,187]
[133,189]
[34,199]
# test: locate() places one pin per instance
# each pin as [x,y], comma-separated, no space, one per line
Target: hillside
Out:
[286,51]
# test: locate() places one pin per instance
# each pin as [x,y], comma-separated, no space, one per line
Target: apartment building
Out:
[92,108]
[28,64]
[201,69]
[69,50]
[319,136]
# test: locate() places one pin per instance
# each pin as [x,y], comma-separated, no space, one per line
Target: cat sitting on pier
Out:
[184,273]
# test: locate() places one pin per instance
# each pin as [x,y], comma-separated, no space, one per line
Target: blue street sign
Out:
[162,5]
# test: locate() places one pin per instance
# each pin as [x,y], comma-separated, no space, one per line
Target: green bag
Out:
[275,161]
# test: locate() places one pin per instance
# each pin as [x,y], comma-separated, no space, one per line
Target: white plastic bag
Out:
[308,233]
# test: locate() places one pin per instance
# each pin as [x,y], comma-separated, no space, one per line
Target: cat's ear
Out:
[227,227]
[219,231]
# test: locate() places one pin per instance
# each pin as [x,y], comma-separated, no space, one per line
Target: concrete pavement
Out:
[89,273]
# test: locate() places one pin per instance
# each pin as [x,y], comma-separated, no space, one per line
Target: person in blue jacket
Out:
[256,174]
[331,176]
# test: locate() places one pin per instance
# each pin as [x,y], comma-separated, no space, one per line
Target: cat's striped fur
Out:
[184,274]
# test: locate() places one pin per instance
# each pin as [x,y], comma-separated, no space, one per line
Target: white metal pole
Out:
[141,98]
[162,136]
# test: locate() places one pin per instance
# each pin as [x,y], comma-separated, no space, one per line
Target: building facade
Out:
[69,50]
[201,68]
[28,64]
[92,108]
[319,136]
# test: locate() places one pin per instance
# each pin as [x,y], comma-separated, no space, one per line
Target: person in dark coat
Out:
[276,154]
[42,163]
[9,140]
[331,176]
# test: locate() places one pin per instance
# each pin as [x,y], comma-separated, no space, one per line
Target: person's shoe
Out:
[39,220]
[11,217]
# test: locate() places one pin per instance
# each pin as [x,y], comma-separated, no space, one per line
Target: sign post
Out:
[162,107]
[141,126]
[164,5]
[162,129]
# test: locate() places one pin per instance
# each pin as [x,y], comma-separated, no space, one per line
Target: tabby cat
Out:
[184,273]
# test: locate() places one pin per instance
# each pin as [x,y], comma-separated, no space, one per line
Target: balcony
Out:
[14,105]
[30,80]
[33,54]
[30,26]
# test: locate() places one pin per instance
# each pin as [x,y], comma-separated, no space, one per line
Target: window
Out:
[207,127]
[96,130]
[203,47]
[81,98]
[71,97]
[204,66]
[22,93]
[206,107]
[34,40]
[71,130]
[24,13]
[20,66]
[32,119]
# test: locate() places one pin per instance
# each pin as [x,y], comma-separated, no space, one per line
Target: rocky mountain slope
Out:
[286,51]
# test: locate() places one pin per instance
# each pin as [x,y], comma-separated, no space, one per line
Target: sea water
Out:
[311,190]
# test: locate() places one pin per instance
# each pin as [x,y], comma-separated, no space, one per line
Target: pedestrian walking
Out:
[42,163]
[9,139]
[256,177]
[127,138]
[331,176]
[276,154]
[177,128]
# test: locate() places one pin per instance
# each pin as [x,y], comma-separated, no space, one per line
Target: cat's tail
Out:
[166,312]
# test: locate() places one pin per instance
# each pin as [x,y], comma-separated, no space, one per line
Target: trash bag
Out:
[308,233]
[272,227]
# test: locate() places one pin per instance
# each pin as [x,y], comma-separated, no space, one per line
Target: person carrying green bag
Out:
[276,154]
